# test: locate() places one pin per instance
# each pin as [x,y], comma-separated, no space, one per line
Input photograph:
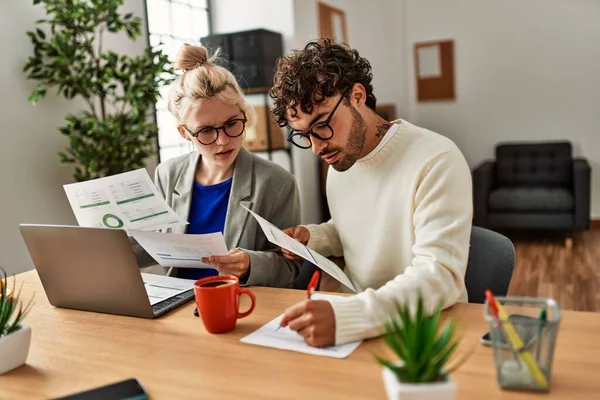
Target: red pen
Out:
[312,285]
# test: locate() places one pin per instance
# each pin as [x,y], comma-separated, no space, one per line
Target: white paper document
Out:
[286,339]
[160,287]
[180,250]
[276,236]
[127,200]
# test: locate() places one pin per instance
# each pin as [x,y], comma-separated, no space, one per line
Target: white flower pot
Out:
[397,390]
[14,349]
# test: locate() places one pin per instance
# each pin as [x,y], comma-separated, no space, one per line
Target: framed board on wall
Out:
[332,23]
[434,70]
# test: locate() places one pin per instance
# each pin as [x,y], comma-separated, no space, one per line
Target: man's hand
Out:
[299,233]
[236,263]
[314,320]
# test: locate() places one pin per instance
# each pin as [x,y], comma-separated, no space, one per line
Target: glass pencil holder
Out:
[523,339]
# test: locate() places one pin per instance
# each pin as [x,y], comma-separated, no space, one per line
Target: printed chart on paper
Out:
[124,201]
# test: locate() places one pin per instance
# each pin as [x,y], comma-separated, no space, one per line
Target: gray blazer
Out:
[262,186]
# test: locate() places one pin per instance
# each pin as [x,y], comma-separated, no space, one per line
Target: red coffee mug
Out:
[218,299]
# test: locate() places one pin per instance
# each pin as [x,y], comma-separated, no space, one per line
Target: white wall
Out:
[525,70]
[375,29]
[239,15]
[30,176]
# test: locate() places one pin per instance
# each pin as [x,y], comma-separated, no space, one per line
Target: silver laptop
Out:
[92,269]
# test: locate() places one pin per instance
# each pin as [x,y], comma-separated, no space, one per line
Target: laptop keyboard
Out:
[172,302]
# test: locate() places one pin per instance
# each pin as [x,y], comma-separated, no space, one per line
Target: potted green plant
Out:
[424,349]
[116,131]
[15,337]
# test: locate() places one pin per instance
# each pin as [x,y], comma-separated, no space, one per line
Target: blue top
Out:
[208,211]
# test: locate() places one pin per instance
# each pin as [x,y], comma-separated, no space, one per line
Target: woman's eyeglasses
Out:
[232,128]
[321,130]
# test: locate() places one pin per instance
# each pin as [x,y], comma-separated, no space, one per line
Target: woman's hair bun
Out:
[191,56]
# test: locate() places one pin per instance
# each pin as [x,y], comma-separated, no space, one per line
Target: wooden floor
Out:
[546,268]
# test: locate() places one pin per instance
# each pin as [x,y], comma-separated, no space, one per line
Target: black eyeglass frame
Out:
[219,128]
[307,134]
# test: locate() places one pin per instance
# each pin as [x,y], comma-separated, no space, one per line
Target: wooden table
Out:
[175,358]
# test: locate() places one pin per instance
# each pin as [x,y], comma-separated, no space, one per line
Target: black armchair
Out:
[533,186]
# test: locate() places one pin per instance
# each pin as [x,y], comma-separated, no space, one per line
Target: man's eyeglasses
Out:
[321,130]
[232,128]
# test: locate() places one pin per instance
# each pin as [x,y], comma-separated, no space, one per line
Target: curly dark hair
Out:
[309,76]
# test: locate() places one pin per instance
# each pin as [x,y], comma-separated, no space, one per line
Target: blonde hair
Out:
[202,79]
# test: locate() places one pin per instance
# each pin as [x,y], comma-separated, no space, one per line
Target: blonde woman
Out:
[209,186]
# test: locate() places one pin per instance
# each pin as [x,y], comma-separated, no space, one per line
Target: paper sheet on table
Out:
[160,287]
[276,236]
[122,201]
[286,339]
[180,250]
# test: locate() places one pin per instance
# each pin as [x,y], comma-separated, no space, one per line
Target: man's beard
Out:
[356,141]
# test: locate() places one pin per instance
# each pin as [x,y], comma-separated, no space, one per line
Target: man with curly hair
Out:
[399,197]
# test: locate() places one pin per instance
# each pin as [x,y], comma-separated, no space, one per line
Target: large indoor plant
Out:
[14,336]
[424,348]
[116,132]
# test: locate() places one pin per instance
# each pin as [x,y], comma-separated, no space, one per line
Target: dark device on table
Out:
[524,323]
[129,389]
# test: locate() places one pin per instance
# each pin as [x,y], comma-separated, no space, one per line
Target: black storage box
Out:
[250,55]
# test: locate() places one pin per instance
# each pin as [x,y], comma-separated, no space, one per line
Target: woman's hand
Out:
[236,263]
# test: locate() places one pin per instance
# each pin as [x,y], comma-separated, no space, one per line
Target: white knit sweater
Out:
[401,217]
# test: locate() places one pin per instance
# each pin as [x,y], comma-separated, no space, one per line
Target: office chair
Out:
[490,265]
